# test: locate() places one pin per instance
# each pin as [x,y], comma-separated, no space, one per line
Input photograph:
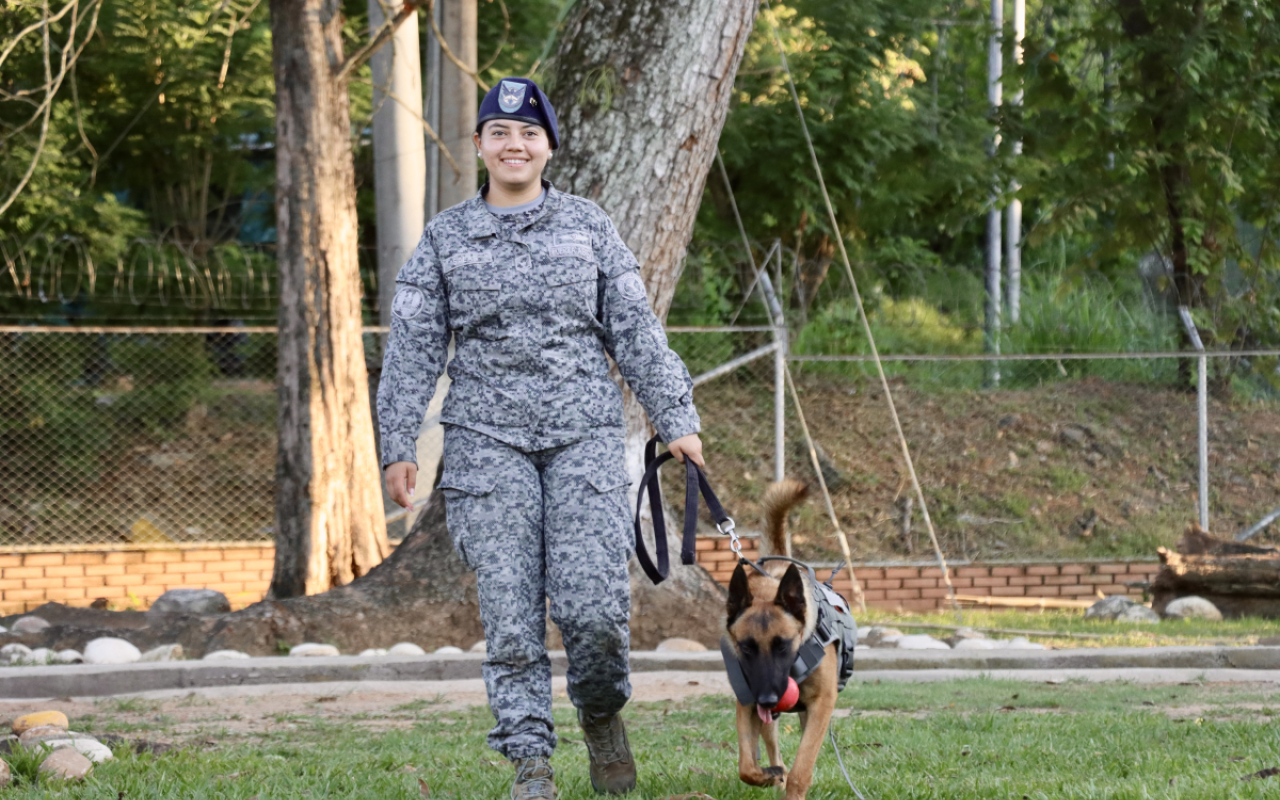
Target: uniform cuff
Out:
[676,421]
[399,448]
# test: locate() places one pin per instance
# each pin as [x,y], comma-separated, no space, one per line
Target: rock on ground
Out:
[191,601]
[373,651]
[1138,613]
[406,649]
[42,733]
[313,649]
[978,644]
[448,650]
[962,635]
[110,650]
[479,647]
[679,645]
[221,655]
[39,719]
[165,652]
[1110,607]
[6,775]
[69,656]
[15,654]
[87,746]
[42,656]
[921,641]
[876,636]
[30,625]
[1192,607]
[66,764]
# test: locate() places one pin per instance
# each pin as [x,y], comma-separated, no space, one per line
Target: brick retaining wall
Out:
[133,577]
[919,587]
[243,572]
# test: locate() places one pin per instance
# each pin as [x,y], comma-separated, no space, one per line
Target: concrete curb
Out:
[84,680]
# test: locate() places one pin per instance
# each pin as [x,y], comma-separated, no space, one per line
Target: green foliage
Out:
[50,410]
[1151,126]
[159,399]
[24,763]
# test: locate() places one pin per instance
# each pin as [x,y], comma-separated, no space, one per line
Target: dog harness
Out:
[835,624]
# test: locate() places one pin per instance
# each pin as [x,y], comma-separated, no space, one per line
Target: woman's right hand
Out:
[402,476]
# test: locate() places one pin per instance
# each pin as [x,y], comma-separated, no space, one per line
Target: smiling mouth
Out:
[514,162]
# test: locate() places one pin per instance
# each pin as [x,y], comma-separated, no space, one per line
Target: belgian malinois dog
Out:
[769,617]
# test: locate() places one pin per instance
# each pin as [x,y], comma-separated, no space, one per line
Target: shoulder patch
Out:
[631,287]
[409,302]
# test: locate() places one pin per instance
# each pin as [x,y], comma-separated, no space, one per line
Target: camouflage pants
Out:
[548,525]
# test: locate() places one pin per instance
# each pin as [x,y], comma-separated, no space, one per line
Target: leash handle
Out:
[695,484]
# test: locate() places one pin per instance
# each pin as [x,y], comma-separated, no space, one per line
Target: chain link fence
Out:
[141,436]
[150,437]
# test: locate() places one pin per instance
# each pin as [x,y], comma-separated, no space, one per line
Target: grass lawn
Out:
[960,739]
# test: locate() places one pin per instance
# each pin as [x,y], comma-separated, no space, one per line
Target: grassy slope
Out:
[1001,480]
[956,740]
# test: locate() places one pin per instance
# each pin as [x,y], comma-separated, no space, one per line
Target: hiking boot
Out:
[535,780]
[613,770]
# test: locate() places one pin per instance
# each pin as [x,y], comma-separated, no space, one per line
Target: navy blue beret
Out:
[519,99]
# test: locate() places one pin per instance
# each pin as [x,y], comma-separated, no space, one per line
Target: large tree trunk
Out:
[330,527]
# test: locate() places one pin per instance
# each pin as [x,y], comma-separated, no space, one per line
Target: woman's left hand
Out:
[690,446]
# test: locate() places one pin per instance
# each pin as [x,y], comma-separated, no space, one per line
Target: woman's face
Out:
[515,153]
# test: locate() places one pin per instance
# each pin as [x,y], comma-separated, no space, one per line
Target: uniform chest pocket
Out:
[571,270]
[474,288]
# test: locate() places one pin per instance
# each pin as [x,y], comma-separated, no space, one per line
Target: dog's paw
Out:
[775,776]
[769,776]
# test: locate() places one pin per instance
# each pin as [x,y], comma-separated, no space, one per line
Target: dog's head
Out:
[767,628]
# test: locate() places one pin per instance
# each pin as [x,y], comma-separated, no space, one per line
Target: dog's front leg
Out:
[770,735]
[749,770]
[815,723]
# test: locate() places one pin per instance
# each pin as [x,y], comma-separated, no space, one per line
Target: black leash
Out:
[695,482]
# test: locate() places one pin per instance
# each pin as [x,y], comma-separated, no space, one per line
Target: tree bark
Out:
[330,527]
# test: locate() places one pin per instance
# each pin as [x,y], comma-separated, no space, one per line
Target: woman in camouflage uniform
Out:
[537,290]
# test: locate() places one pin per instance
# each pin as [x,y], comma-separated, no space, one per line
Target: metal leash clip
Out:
[728,528]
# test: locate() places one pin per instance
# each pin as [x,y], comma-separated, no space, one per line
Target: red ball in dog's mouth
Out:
[789,699]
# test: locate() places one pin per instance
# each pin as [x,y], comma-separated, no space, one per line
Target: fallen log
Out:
[1240,579]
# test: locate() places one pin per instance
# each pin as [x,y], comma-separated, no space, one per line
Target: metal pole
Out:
[1013,213]
[779,371]
[399,160]
[995,69]
[431,86]
[780,398]
[1202,412]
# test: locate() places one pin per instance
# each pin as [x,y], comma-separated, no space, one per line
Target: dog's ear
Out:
[739,595]
[791,593]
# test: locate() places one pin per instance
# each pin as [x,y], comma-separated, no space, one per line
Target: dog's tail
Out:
[778,501]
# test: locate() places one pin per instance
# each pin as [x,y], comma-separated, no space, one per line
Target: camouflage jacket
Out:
[533,309]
